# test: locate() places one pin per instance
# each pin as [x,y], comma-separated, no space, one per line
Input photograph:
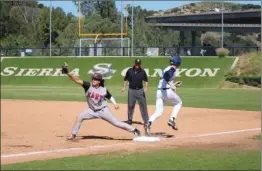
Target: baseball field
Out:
[218,128]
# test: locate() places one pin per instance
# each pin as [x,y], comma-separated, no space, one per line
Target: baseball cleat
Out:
[129,122]
[172,124]
[136,132]
[147,129]
[72,137]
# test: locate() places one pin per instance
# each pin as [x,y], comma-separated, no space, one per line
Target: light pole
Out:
[121,29]
[50,30]
[132,49]
[222,24]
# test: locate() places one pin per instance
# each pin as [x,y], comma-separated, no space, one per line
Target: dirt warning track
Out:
[36,130]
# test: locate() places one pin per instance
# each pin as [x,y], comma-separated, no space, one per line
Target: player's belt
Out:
[135,88]
[98,109]
[163,88]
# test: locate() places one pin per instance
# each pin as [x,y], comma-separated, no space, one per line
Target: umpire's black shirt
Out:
[135,77]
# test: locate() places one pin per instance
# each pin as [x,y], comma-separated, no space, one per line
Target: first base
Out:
[146,139]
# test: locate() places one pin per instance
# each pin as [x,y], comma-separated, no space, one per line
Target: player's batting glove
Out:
[173,88]
[65,69]
[172,85]
[178,83]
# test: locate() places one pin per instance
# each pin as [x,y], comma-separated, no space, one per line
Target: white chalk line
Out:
[234,63]
[118,144]
[61,150]
[218,133]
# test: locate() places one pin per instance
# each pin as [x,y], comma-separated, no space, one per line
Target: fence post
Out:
[85,51]
[76,49]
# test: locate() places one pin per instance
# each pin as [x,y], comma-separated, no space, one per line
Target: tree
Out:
[107,9]
[43,26]
[5,28]
[87,7]
[211,38]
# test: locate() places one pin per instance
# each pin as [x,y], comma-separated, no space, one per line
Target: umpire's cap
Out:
[138,61]
[97,76]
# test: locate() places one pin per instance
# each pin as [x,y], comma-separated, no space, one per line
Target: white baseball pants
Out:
[104,114]
[161,97]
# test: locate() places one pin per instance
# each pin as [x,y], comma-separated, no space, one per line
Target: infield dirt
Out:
[42,127]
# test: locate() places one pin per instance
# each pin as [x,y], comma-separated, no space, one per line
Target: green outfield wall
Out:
[194,72]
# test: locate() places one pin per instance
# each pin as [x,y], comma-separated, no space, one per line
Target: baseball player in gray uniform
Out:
[96,95]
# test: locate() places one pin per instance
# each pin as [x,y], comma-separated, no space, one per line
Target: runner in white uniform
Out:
[166,91]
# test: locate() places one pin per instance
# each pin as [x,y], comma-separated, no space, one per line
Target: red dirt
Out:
[31,126]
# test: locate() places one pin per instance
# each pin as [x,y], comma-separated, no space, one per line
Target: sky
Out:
[69,6]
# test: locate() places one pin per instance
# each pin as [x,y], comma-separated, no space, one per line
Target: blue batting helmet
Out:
[175,60]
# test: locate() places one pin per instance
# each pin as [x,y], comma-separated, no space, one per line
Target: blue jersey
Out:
[169,74]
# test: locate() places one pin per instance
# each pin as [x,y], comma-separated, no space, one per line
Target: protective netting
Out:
[152,52]
[103,47]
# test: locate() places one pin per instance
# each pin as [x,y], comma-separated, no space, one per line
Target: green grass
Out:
[241,99]
[257,137]
[172,159]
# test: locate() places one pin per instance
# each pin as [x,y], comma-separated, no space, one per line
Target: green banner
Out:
[194,72]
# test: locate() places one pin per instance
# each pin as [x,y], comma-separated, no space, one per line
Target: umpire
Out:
[135,77]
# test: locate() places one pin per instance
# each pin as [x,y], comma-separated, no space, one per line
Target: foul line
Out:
[118,144]
[218,133]
[61,150]
[234,63]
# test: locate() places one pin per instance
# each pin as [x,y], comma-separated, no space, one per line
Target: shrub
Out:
[245,80]
[222,52]
[175,10]
[249,64]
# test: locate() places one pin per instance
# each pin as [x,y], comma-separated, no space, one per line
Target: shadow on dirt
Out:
[104,138]
[135,122]
[20,146]
[155,134]
[162,135]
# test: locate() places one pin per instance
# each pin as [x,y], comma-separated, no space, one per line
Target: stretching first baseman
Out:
[166,92]
[96,95]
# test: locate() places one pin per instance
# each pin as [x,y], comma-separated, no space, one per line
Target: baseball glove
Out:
[65,69]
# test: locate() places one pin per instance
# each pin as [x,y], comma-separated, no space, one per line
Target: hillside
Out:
[247,72]
[248,65]
[202,7]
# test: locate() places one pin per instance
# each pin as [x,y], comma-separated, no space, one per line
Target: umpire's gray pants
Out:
[104,114]
[138,95]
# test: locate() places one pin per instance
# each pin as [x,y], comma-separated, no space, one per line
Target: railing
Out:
[203,25]
[138,51]
[203,13]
